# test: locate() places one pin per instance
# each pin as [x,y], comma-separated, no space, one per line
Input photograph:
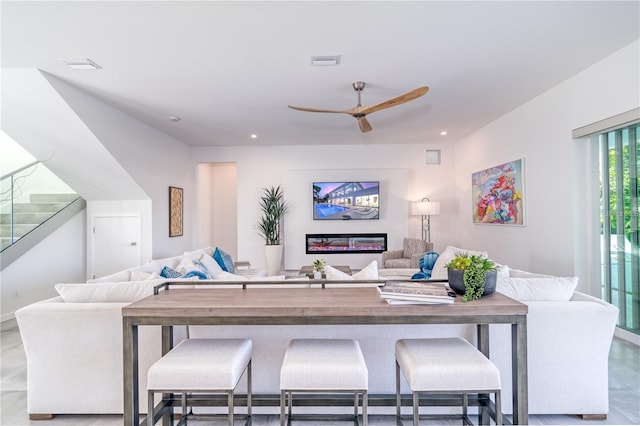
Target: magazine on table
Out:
[407,292]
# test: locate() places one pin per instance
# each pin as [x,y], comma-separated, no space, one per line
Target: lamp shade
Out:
[425,208]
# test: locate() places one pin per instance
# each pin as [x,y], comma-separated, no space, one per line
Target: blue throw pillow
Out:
[420,276]
[196,273]
[224,259]
[427,261]
[169,273]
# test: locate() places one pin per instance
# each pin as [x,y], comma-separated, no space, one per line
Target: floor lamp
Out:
[426,209]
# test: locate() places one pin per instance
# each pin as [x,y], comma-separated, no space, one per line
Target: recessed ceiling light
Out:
[174,118]
[254,136]
[327,60]
[82,64]
[443,133]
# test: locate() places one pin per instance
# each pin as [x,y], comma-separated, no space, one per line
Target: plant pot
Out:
[457,284]
[317,275]
[273,259]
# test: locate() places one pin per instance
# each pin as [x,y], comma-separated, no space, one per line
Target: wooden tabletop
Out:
[311,306]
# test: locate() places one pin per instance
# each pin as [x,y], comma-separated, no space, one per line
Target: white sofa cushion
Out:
[228,276]
[120,292]
[143,276]
[558,289]
[439,271]
[149,267]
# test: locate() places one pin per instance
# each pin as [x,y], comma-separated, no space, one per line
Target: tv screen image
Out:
[346,200]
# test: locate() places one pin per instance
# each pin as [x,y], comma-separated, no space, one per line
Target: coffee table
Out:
[308,270]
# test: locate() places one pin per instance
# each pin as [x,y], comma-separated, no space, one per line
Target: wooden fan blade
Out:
[409,96]
[364,124]
[317,110]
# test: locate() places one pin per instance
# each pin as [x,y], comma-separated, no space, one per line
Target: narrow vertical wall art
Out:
[175,211]
[498,194]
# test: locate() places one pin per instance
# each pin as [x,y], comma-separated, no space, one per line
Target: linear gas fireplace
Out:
[345,243]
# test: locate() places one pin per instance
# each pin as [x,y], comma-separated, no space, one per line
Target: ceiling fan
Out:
[360,112]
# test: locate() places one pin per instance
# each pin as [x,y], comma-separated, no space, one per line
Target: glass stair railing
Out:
[29,197]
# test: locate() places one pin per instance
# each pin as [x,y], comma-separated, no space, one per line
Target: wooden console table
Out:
[288,306]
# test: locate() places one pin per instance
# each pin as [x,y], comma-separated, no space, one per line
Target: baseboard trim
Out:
[41,416]
[627,336]
[593,416]
[8,322]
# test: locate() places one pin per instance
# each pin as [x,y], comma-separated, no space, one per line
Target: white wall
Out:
[393,207]
[153,159]
[539,131]
[401,169]
[60,139]
[217,206]
[557,197]
[13,155]
[59,258]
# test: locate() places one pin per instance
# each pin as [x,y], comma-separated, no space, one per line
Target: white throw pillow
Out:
[503,271]
[334,274]
[185,265]
[439,270]
[194,255]
[517,273]
[122,292]
[213,268]
[559,289]
[369,272]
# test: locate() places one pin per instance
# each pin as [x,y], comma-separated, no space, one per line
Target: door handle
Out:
[134,243]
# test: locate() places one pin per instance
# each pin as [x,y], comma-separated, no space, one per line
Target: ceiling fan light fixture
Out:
[325,61]
[82,64]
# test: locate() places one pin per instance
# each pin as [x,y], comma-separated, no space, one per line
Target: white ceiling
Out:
[229,69]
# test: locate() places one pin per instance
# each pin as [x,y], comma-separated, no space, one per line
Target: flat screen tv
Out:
[346,200]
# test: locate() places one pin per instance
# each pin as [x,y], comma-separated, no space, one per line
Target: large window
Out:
[619,193]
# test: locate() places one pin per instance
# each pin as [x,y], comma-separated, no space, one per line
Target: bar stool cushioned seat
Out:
[324,366]
[202,365]
[445,365]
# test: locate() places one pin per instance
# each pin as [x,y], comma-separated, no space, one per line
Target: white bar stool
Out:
[202,366]
[323,366]
[445,366]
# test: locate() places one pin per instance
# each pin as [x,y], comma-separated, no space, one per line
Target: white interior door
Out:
[116,244]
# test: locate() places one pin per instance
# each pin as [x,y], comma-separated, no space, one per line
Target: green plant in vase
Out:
[472,276]
[273,207]
[318,265]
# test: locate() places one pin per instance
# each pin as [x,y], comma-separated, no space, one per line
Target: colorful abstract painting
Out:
[498,194]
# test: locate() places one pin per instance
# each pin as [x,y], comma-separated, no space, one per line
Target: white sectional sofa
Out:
[73,344]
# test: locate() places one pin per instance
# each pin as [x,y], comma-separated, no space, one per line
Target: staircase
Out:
[28,216]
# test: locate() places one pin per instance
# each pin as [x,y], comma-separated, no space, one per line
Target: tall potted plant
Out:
[273,207]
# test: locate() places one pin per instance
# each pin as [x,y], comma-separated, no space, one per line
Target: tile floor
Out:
[624,394]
